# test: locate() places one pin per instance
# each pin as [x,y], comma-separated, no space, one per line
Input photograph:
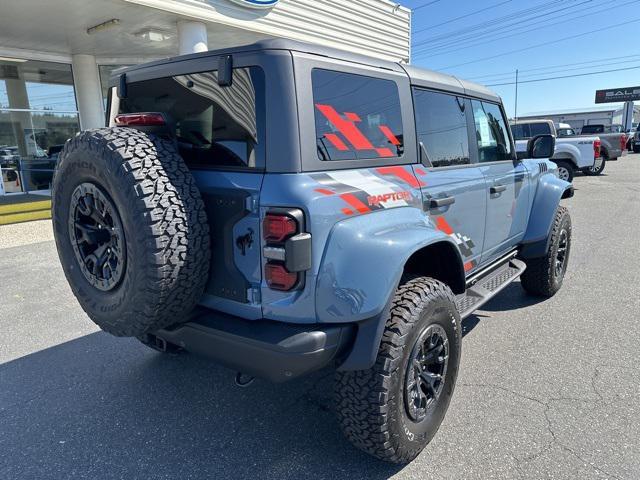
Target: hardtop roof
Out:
[418,76]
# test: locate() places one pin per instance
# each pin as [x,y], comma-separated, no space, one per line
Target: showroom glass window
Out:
[441,125]
[38,113]
[356,116]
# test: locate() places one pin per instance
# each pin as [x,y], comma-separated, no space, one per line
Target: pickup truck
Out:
[571,153]
[612,137]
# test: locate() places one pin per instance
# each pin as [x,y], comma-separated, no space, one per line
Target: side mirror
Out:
[541,146]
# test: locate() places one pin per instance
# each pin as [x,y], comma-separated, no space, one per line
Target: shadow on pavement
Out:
[511,298]
[101,407]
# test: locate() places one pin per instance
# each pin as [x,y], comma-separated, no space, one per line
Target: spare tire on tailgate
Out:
[131,229]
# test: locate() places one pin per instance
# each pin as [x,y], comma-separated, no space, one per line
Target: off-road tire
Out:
[164,224]
[568,167]
[370,404]
[592,171]
[541,277]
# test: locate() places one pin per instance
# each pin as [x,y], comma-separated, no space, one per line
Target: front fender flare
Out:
[545,204]
[364,259]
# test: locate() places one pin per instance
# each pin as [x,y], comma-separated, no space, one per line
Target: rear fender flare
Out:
[364,259]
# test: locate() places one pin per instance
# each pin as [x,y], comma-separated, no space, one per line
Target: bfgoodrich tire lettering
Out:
[544,275]
[371,404]
[163,221]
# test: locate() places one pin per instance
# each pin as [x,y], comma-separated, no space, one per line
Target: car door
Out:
[507,181]
[453,188]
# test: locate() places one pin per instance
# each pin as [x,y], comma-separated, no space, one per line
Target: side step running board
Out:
[489,285]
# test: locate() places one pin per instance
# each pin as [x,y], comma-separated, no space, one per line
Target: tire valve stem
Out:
[243,380]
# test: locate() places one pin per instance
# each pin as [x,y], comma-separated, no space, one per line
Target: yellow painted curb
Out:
[8,219]
[25,207]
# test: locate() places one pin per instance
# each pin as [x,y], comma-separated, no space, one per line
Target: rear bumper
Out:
[267,349]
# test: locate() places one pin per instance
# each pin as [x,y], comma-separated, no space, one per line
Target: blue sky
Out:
[606,38]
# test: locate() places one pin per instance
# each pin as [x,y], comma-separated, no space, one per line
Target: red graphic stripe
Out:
[336,141]
[347,211]
[347,128]
[352,200]
[389,134]
[420,171]
[352,116]
[402,174]
[324,191]
[443,225]
[384,152]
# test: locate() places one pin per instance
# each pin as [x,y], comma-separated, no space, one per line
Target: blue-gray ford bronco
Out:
[283,207]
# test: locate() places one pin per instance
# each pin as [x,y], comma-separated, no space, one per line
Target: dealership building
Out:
[579,117]
[56,57]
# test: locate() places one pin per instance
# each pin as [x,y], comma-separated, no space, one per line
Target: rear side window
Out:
[540,129]
[491,132]
[441,125]
[521,131]
[215,126]
[356,117]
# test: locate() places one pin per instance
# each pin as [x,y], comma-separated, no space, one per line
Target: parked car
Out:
[571,152]
[10,181]
[636,141]
[613,139]
[631,141]
[288,207]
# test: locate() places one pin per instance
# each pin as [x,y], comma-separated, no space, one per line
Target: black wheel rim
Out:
[561,254]
[97,236]
[426,372]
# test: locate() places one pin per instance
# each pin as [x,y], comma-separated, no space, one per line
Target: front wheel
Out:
[393,410]
[544,275]
[598,167]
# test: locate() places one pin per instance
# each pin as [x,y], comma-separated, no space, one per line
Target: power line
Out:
[563,70]
[591,32]
[553,66]
[461,17]
[490,37]
[490,23]
[564,76]
[425,5]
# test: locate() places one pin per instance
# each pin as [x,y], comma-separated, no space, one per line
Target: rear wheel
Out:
[544,275]
[598,167]
[131,230]
[565,170]
[393,410]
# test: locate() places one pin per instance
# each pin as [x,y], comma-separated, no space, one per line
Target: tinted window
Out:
[540,129]
[491,132]
[593,129]
[566,132]
[441,125]
[215,126]
[521,131]
[356,116]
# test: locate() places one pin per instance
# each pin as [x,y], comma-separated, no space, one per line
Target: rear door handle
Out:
[441,202]
[497,189]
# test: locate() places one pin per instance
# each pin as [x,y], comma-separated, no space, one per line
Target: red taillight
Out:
[140,119]
[278,278]
[596,149]
[277,228]
[623,142]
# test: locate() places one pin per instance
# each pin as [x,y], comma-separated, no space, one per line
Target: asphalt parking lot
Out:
[548,389]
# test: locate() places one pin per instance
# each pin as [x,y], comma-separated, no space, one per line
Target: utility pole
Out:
[515,115]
